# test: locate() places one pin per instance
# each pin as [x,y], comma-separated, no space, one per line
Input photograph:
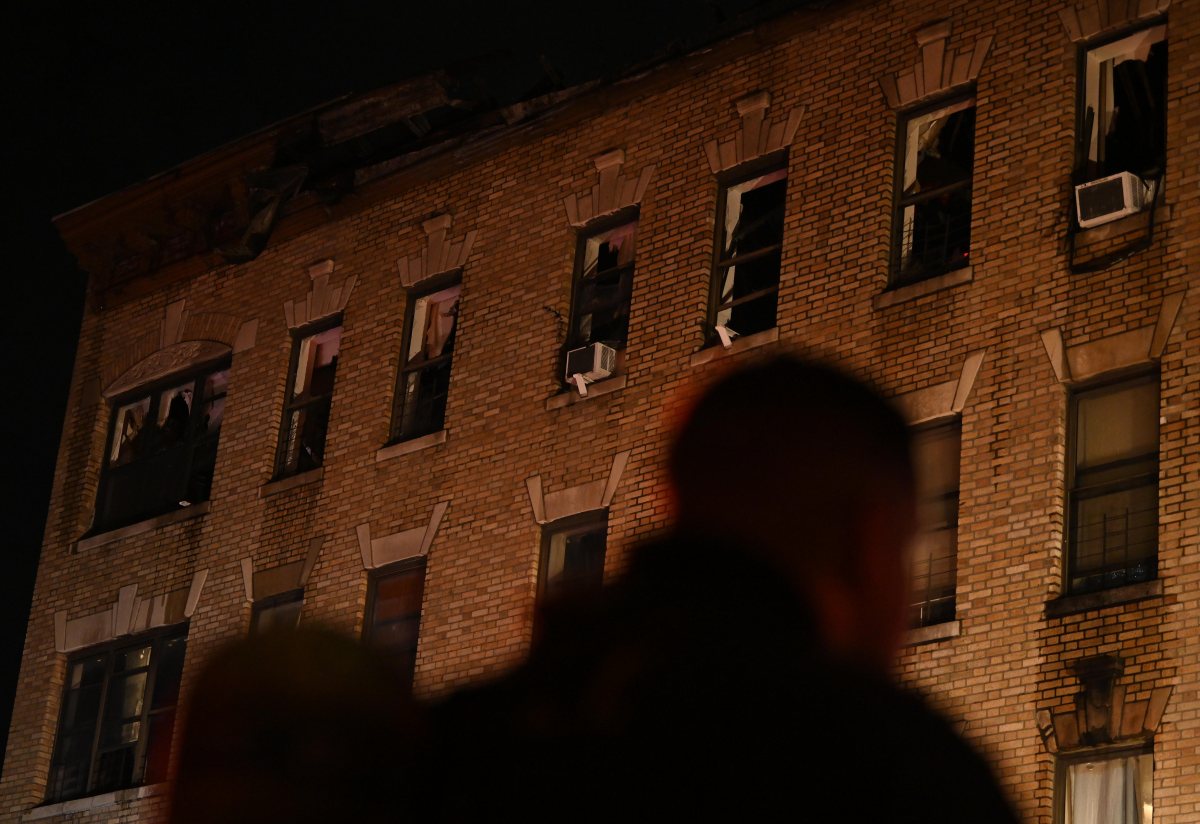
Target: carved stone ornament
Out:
[175,358]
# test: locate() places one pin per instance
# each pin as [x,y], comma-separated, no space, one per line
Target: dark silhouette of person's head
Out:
[810,470]
[298,726]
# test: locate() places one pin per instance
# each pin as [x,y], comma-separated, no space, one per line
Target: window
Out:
[309,394]
[393,620]
[278,612]
[1106,788]
[424,379]
[117,717]
[1122,111]
[162,447]
[1113,515]
[936,455]
[745,288]
[933,199]
[603,285]
[573,555]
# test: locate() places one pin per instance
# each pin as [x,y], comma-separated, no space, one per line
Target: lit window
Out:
[1122,123]
[1114,789]
[933,202]
[309,395]
[117,717]
[276,613]
[424,380]
[936,455]
[394,615]
[573,555]
[162,448]
[1114,485]
[745,289]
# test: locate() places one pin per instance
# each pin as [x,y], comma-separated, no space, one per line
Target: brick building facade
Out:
[380,345]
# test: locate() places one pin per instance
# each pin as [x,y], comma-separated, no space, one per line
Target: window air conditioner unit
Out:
[590,363]
[1109,198]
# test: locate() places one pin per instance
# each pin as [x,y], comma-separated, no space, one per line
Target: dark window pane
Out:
[273,617]
[936,453]
[573,560]
[424,378]
[604,288]
[158,747]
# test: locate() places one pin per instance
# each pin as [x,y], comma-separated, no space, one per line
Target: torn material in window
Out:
[604,288]
[935,196]
[749,255]
[1123,124]
[307,417]
[424,379]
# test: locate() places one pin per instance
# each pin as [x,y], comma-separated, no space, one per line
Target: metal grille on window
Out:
[936,455]
[1114,493]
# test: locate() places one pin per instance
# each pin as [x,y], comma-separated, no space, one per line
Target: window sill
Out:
[717,351]
[312,476]
[596,390]
[912,291]
[413,445]
[95,802]
[933,632]
[185,513]
[1071,604]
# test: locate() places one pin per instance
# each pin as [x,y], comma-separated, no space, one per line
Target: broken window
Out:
[933,206]
[1107,789]
[745,287]
[1114,486]
[162,448]
[394,615]
[424,379]
[936,456]
[1123,108]
[603,287]
[309,395]
[573,555]
[118,713]
[277,613]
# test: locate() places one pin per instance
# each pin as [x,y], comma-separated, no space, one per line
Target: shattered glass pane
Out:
[754,214]
[1124,104]
[605,287]
[433,325]
[174,414]
[128,440]
[939,156]
[751,247]
[316,363]
[575,560]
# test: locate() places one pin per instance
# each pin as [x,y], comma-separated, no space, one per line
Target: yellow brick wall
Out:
[1008,662]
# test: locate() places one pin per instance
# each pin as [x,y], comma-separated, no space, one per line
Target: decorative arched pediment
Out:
[177,357]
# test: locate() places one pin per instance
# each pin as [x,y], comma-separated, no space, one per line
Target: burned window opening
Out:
[1120,154]
[936,453]
[423,384]
[278,613]
[744,293]
[601,293]
[309,396]
[162,448]
[933,204]
[1113,492]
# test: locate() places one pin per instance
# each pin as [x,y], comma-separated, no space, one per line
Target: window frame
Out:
[578,524]
[156,639]
[261,605]
[1108,383]
[743,172]
[599,226]
[412,295]
[374,576]
[955,423]
[297,336]
[153,390]
[1082,150]
[1064,761]
[896,258]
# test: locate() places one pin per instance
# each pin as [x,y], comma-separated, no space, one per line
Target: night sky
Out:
[101,96]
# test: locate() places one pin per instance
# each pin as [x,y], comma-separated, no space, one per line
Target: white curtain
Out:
[1113,791]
